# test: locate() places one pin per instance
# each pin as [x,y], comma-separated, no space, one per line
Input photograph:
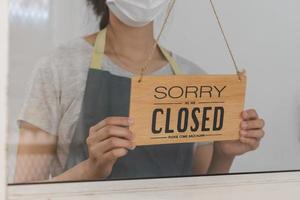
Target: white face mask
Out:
[137,13]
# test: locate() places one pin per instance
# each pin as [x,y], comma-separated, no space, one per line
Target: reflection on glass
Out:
[50,117]
[29,10]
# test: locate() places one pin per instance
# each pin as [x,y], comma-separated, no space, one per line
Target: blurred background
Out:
[264,35]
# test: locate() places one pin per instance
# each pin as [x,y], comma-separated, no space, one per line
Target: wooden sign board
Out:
[186,108]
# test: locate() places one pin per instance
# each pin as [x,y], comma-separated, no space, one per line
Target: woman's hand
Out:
[108,141]
[251,133]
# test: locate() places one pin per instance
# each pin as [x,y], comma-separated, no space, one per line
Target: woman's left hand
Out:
[251,133]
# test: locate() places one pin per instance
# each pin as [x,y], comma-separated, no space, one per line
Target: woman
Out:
[61,134]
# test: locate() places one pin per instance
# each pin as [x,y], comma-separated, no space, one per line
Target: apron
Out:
[109,95]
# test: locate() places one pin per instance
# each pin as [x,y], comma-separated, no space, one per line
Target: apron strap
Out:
[175,68]
[99,48]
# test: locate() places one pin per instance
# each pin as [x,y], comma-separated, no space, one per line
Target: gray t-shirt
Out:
[57,88]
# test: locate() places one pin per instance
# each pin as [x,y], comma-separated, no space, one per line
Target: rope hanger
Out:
[226,40]
[144,67]
[171,7]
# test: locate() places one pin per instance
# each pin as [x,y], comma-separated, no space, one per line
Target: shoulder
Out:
[187,66]
[77,47]
[68,55]
[66,60]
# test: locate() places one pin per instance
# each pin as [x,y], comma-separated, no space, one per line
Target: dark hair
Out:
[100,9]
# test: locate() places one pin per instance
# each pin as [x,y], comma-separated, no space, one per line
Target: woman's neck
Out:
[130,47]
[130,40]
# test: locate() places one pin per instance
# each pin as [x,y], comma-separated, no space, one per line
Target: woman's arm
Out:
[251,134]
[107,142]
[36,151]
[202,158]
[222,153]
[208,160]
[220,164]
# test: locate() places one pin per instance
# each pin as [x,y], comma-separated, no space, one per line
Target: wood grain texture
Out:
[171,94]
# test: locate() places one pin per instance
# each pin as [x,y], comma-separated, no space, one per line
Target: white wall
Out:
[264,35]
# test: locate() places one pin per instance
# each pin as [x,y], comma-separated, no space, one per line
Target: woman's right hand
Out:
[108,141]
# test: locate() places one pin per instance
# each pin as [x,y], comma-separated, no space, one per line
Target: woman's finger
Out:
[114,143]
[113,131]
[253,124]
[252,143]
[258,134]
[112,121]
[250,114]
[115,154]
